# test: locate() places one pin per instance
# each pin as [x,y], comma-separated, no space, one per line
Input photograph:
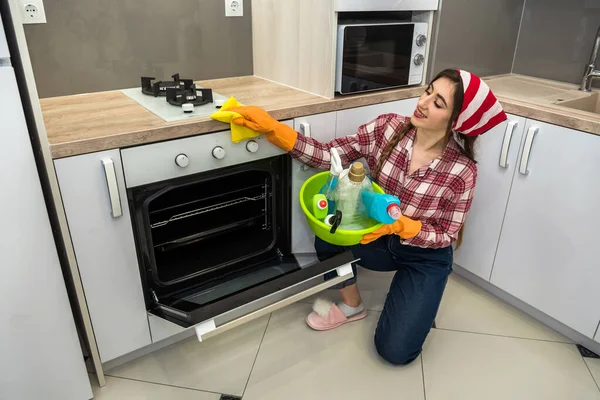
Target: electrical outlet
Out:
[234,8]
[32,12]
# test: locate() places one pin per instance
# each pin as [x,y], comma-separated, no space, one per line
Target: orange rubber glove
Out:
[259,120]
[404,227]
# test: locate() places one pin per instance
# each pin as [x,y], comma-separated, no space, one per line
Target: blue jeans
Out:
[414,296]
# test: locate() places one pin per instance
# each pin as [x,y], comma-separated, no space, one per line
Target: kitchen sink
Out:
[589,103]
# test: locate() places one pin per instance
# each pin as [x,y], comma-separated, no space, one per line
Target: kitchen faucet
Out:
[590,70]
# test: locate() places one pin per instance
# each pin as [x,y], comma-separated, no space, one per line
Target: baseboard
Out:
[117,362]
[529,310]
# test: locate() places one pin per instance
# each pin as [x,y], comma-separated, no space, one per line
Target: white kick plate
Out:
[159,106]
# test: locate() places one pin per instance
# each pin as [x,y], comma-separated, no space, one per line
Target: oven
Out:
[379,55]
[213,229]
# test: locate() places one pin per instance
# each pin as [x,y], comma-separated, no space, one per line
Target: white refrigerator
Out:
[40,355]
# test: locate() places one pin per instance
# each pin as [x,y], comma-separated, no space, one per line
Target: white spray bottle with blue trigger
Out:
[335,170]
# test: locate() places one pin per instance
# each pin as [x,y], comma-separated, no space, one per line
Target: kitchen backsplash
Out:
[91,46]
[556,38]
[478,36]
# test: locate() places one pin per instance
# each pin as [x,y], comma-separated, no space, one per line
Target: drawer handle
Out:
[508,134]
[305,130]
[113,187]
[524,167]
[208,329]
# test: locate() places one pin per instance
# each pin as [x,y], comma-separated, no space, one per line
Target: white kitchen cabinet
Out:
[349,120]
[322,128]
[496,153]
[105,250]
[548,250]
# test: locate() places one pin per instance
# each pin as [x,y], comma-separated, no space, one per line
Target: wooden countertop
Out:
[107,120]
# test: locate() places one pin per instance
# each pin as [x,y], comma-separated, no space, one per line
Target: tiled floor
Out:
[481,349]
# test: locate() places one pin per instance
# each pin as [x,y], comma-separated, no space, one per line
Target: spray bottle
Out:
[328,188]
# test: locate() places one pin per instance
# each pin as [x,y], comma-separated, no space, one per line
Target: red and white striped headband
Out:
[480,111]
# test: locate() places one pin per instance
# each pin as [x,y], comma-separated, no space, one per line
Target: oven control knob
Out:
[419,59]
[421,40]
[218,153]
[182,160]
[252,146]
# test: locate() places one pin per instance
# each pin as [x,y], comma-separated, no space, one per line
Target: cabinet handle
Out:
[524,167]
[113,187]
[305,130]
[510,128]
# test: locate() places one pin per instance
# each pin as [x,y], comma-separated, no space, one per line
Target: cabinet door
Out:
[94,196]
[322,128]
[548,251]
[496,154]
[348,121]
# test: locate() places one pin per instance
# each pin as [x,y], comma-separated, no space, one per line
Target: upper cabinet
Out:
[548,250]
[496,154]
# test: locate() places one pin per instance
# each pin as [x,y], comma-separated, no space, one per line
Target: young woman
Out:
[427,161]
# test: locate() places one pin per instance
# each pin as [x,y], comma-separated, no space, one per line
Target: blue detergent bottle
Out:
[383,208]
[328,188]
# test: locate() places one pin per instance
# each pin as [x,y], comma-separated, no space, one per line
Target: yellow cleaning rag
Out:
[238,133]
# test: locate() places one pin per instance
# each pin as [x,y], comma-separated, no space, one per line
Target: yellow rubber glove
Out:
[404,227]
[259,120]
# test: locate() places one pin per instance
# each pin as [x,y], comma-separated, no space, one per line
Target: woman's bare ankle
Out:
[351,296]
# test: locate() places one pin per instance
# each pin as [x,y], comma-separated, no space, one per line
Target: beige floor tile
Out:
[221,364]
[466,307]
[296,363]
[373,287]
[594,366]
[466,366]
[125,389]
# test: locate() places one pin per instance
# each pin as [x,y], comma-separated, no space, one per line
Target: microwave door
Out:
[376,57]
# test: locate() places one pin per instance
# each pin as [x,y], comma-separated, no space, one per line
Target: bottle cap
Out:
[393,211]
[357,172]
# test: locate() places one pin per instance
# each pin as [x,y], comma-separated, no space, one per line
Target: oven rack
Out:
[171,244]
[208,209]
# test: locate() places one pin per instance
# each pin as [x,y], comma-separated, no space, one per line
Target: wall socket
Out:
[32,11]
[234,8]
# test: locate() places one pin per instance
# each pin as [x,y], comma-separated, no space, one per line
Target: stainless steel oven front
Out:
[375,56]
[213,225]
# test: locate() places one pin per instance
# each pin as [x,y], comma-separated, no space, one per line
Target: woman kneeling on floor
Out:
[427,161]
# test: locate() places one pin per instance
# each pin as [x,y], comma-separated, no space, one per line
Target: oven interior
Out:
[209,235]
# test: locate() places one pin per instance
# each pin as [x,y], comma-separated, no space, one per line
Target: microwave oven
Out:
[375,56]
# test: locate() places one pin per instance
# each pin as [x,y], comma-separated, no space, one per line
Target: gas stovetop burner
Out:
[160,88]
[178,92]
[189,95]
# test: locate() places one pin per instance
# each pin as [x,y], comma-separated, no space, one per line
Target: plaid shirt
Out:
[439,195]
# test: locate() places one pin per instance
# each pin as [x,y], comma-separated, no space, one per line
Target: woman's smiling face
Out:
[434,108]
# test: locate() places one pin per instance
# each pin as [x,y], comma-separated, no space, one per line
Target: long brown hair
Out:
[466,143]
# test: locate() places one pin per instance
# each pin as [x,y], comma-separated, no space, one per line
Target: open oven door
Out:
[220,309]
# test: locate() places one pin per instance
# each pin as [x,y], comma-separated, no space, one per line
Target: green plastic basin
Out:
[341,237]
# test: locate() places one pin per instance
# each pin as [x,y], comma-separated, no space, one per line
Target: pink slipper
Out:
[327,315]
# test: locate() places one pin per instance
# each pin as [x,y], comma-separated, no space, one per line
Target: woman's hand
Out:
[259,120]
[404,227]
[255,118]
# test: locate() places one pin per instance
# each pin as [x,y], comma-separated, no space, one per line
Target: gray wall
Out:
[556,38]
[478,36]
[97,45]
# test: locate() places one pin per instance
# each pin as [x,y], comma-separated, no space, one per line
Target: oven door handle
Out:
[208,329]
